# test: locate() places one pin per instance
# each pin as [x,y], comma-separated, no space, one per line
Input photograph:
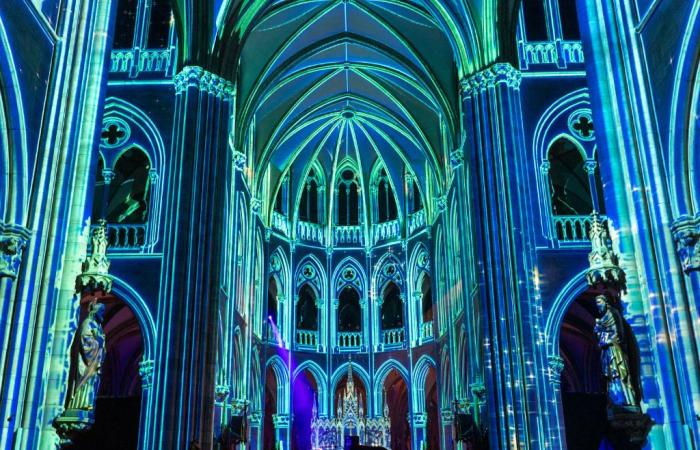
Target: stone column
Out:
[446,425]
[557,436]
[41,304]
[281,423]
[184,383]
[501,179]
[638,206]
[420,435]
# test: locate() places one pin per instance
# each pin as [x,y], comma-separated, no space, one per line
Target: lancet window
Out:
[129,189]
[570,189]
[348,198]
[385,201]
[311,199]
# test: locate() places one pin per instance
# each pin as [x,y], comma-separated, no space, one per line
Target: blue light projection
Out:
[429,224]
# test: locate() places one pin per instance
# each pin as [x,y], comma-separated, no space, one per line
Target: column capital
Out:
[686,235]
[441,203]
[198,77]
[13,240]
[555,363]
[239,160]
[491,76]
[456,158]
[221,392]
[280,420]
[255,205]
[146,367]
[107,175]
[589,166]
[420,419]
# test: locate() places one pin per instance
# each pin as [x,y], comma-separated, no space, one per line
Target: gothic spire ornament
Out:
[95,271]
[603,263]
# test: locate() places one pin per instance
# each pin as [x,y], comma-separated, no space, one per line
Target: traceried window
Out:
[348,189]
[569,183]
[349,310]
[309,201]
[129,190]
[386,203]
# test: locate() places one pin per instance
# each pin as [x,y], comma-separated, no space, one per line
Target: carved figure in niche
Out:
[90,358]
[609,328]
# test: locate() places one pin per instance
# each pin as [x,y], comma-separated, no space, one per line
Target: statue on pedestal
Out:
[609,328]
[90,358]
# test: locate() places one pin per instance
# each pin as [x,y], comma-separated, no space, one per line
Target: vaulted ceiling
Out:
[373,80]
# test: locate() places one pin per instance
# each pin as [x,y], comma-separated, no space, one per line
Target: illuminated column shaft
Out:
[185,374]
[470,305]
[40,304]
[505,250]
[658,305]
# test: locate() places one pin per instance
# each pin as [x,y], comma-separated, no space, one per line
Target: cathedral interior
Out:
[350,224]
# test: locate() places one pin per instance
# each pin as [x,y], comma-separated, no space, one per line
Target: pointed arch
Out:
[420,375]
[256,389]
[281,372]
[358,371]
[14,157]
[384,196]
[570,292]
[349,272]
[348,198]
[310,198]
[381,374]
[317,278]
[321,383]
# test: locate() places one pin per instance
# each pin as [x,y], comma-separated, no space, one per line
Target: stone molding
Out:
[195,76]
[491,76]
[686,235]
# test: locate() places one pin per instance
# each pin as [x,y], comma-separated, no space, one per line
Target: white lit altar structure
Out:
[350,420]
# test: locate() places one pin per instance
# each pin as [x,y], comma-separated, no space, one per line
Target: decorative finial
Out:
[95,270]
[603,262]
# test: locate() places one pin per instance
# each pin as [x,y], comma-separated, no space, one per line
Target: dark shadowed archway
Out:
[397,398]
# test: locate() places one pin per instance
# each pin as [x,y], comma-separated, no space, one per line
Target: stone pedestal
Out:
[72,422]
[628,427]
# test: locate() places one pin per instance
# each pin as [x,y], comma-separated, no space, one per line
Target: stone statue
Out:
[90,358]
[609,328]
